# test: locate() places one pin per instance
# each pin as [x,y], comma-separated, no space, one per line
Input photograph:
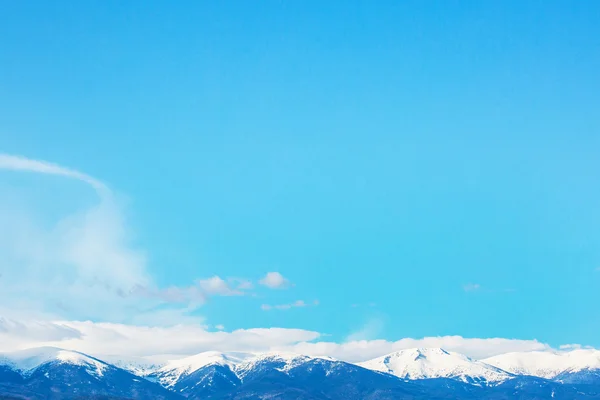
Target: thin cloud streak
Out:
[296,304]
[23,164]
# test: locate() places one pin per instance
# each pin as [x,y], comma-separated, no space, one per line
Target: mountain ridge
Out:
[433,373]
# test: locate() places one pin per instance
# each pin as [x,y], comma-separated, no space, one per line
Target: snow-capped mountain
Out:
[175,370]
[140,366]
[240,364]
[27,361]
[282,362]
[51,373]
[547,364]
[282,375]
[427,363]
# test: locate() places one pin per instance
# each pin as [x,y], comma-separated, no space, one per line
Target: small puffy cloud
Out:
[274,280]
[471,287]
[220,327]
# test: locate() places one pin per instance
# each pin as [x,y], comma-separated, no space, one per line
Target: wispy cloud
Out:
[274,280]
[217,286]
[370,304]
[197,293]
[476,287]
[86,264]
[242,284]
[369,331]
[296,304]
[471,287]
[18,163]
[78,264]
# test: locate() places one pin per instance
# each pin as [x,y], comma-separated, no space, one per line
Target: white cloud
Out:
[135,340]
[37,330]
[78,265]
[148,341]
[274,280]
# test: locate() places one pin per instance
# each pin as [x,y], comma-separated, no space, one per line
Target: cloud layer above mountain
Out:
[188,339]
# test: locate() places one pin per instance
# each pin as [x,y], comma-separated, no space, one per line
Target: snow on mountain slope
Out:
[140,366]
[284,362]
[52,373]
[436,363]
[175,370]
[25,361]
[241,364]
[547,364]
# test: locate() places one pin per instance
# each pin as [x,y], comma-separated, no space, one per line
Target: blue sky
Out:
[416,168]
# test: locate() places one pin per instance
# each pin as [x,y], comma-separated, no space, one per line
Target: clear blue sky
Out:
[387,152]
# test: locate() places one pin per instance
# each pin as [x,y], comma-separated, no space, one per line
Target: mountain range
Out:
[425,373]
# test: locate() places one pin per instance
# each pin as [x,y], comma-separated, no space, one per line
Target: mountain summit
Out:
[427,363]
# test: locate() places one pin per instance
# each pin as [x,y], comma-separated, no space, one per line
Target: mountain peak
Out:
[174,370]
[424,352]
[547,364]
[424,363]
[28,360]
